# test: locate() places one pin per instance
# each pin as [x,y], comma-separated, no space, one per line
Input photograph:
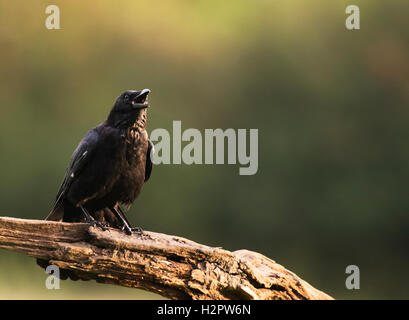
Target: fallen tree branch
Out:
[171,266]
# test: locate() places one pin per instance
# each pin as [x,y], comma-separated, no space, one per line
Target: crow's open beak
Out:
[140,101]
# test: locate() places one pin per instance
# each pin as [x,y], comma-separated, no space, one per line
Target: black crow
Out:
[108,168]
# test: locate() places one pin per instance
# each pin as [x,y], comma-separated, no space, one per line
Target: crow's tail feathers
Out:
[63,210]
[57,213]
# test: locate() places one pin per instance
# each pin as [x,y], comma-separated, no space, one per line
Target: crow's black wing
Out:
[79,159]
[149,164]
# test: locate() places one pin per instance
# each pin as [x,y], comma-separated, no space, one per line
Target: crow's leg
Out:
[125,224]
[91,220]
[117,210]
[135,229]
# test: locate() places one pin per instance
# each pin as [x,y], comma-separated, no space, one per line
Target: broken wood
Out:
[171,266]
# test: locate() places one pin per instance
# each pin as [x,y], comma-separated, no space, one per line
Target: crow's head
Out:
[129,107]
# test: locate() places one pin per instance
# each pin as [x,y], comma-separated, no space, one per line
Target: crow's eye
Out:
[126,97]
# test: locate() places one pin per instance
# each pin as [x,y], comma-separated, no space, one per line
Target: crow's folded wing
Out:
[149,164]
[79,159]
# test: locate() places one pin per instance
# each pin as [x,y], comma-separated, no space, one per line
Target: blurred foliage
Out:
[331,106]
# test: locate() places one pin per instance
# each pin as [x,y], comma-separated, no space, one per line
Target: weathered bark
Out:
[171,266]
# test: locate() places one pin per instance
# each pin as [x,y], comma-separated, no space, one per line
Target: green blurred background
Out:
[331,106]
